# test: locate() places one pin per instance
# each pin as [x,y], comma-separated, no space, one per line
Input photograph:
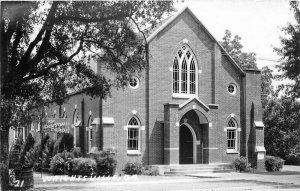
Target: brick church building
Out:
[192,105]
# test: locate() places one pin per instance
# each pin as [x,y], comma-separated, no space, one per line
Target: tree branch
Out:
[47,25]
[61,57]
[89,20]
[14,51]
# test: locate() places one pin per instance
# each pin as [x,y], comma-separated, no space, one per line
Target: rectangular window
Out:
[231,139]
[175,80]
[19,133]
[192,82]
[133,139]
[91,133]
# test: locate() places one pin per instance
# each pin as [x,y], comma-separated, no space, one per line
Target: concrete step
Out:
[170,170]
[176,173]
[198,169]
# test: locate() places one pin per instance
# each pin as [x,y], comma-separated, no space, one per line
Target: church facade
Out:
[192,105]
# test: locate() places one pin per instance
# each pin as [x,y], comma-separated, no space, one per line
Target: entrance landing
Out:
[186,169]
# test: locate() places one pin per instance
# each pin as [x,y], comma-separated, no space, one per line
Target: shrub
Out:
[26,147]
[61,163]
[133,168]
[106,163]
[64,143]
[14,154]
[273,163]
[83,166]
[47,155]
[36,154]
[241,164]
[40,155]
[44,140]
[150,171]
[77,152]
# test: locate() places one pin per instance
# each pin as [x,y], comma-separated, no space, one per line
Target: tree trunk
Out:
[4,173]
[4,131]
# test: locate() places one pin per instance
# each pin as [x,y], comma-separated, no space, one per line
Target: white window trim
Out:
[133,152]
[90,129]
[235,89]
[179,60]
[17,133]
[137,81]
[75,125]
[235,150]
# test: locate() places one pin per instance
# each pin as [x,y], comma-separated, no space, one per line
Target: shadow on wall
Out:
[156,145]
[251,138]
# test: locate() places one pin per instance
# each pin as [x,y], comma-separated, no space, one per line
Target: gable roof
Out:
[194,99]
[164,24]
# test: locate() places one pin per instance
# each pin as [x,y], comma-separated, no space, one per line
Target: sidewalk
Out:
[288,178]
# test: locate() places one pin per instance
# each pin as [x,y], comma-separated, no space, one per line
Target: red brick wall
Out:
[253,111]
[162,52]
[211,90]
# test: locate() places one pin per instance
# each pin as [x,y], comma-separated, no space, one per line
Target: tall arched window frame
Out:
[185,78]
[76,123]
[133,136]
[231,135]
[90,133]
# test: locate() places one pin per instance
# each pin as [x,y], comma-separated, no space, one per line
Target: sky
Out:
[257,22]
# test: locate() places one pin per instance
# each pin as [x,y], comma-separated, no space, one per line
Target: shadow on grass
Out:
[278,173]
[264,183]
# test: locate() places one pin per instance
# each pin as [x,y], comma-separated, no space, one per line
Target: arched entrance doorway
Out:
[193,138]
[187,145]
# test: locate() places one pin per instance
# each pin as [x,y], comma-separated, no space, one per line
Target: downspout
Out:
[147,102]
[244,131]
[82,129]
[100,129]
[100,126]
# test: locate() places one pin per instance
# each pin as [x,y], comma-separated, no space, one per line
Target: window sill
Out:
[177,95]
[231,151]
[133,152]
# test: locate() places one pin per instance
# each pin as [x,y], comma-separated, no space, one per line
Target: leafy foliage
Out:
[267,89]
[290,53]
[26,147]
[106,163]
[241,164]
[150,170]
[40,155]
[61,163]
[83,166]
[46,46]
[234,49]
[76,151]
[248,61]
[282,130]
[64,142]
[44,63]
[132,168]
[273,163]
[14,153]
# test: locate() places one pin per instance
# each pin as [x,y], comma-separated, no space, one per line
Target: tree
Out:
[234,49]
[248,61]
[282,129]
[45,47]
[290,53]
[267,89]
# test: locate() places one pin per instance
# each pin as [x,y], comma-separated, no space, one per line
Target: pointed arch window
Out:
[192,77]
[184,73]
[175,76]
[133,134]
[231,135]
[90,133]
[76,124]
